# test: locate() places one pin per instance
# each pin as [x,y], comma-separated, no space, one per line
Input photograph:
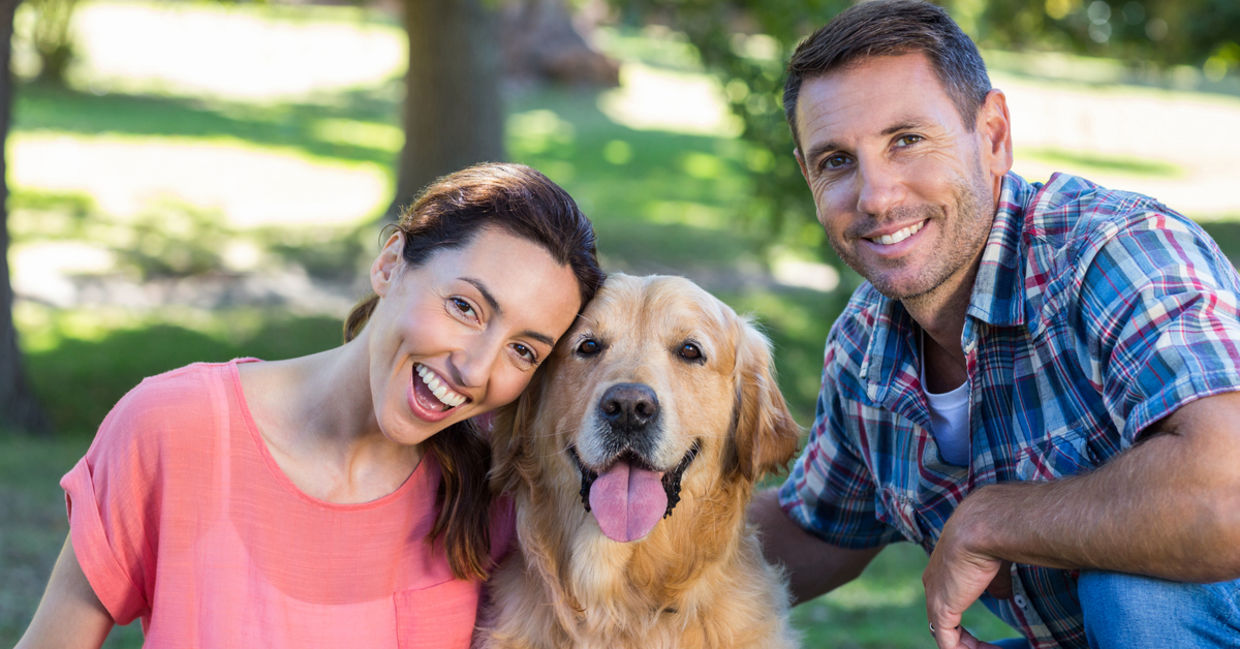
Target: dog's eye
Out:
[690,351]
[589,347]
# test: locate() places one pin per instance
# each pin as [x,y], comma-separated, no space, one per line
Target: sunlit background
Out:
[207,180]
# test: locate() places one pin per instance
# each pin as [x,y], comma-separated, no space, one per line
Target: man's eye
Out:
[907,139]
[834,161]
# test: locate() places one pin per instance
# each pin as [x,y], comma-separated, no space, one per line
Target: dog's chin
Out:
[671,478]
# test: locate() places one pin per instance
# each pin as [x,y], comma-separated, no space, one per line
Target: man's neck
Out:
[941,315]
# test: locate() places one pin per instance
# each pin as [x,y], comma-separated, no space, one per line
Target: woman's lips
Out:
[429,398]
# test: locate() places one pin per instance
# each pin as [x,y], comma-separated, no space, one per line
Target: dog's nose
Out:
[629,406]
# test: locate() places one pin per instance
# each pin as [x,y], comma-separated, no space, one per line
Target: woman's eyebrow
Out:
[486,294]
[495,307]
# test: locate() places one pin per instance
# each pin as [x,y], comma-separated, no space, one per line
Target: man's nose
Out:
[879,188]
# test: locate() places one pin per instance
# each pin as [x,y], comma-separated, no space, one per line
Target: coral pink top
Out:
[179,516]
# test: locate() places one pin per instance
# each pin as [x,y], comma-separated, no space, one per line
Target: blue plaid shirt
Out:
[1095,313]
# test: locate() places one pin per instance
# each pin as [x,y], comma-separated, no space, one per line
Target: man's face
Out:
[904,189]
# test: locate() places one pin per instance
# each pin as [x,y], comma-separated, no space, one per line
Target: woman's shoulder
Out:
[182,387]
[181,400]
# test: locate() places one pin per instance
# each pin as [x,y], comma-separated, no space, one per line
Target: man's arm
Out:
[814,566]
[69,615]
[1169,507]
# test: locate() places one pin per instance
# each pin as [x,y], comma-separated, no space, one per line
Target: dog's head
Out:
[659,394]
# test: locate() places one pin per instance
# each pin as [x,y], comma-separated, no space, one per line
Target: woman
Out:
[337,499]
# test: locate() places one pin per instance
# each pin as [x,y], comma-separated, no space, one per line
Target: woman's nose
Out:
[474,361]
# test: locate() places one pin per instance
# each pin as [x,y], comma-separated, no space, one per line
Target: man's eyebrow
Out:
[908,124]
[494,304]
[819,149]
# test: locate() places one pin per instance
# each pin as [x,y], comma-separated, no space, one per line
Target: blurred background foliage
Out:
[195,180]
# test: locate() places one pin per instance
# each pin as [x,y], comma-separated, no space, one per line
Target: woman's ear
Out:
[384,268]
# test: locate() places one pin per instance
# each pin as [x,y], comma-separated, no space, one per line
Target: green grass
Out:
[32,507]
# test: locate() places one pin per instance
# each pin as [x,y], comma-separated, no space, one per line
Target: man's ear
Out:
[385,266]
[994,127]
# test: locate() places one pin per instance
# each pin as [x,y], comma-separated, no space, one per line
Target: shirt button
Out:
[1019,601]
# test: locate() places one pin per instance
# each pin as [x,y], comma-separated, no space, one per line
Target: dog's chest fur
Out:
[623,604]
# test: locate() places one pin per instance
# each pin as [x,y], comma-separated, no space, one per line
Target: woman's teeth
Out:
[899,235]
[448,396]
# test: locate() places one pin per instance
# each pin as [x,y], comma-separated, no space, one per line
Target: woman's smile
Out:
[437,387]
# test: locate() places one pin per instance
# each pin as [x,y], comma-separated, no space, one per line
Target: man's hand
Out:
[958,637]
[955,577]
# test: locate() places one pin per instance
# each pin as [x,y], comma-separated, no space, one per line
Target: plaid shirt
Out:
[1095,313]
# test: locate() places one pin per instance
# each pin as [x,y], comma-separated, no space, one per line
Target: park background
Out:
[204,180]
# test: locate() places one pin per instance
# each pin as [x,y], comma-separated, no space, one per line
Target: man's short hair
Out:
[891,28]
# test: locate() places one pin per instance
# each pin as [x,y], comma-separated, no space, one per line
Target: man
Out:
[1037,384]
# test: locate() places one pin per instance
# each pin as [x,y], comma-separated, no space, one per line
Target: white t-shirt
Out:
[949,419]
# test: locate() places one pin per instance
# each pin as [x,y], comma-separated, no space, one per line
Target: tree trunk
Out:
[18,407]
[541,41]
[452,112]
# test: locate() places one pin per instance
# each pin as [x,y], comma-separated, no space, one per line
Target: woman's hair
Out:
[891,28]
[449,213]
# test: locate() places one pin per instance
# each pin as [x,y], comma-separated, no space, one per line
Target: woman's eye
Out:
[463,307]
[690,351]
[589,347]
[525,353]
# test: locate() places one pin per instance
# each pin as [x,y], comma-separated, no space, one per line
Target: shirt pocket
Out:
[1058,455]
[437,617]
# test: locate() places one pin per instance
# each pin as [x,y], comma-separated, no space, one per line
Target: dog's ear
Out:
[511,435]
[765,435]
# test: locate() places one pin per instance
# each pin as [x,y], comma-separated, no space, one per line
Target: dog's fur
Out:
[698,578]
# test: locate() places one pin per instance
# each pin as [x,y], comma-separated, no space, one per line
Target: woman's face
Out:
[462,333]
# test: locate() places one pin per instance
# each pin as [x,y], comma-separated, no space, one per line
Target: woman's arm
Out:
[69,615]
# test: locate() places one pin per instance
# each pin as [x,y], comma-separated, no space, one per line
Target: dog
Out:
[630,459]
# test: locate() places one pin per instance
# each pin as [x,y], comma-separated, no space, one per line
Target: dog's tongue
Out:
[627,501]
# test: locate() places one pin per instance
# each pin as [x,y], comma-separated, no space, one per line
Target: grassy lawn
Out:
[145,193]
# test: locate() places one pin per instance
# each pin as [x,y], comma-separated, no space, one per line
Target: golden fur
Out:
[698,578]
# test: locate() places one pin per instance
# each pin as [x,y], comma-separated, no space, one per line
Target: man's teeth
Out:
[447,395]
[900,235]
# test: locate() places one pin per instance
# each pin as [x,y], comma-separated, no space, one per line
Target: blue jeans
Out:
[1131,611]
[1134,612]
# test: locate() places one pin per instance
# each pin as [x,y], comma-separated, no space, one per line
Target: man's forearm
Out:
[814,567]
[1169,507]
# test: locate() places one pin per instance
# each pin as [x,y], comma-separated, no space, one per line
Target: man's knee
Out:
[1133,611]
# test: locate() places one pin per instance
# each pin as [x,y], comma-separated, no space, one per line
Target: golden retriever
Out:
[631,459]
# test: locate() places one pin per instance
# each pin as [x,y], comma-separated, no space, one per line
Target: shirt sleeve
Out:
[1160,313]
[830,490]
[112,495]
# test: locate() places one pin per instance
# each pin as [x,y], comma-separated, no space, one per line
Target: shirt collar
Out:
[998,290]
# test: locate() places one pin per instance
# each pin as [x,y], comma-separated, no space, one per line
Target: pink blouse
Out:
[179,516]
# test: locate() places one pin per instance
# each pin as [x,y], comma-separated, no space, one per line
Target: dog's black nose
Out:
[629,406]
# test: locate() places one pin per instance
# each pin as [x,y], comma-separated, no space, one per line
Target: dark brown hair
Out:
[892,28]
[449,213]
